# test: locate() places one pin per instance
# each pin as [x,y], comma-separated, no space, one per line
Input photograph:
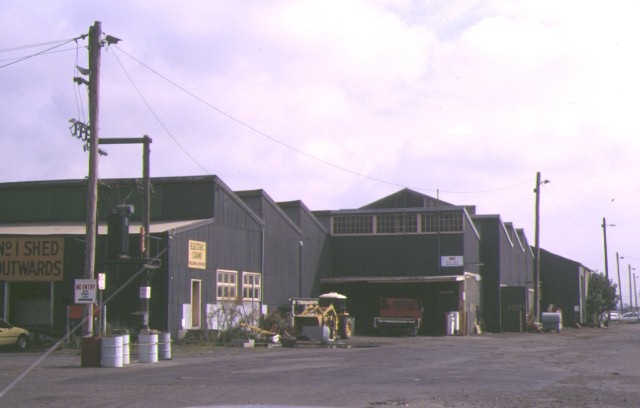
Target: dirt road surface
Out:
[575,368]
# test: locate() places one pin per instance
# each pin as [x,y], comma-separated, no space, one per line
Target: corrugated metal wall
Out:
[283,268]
[560,280]
[233,242]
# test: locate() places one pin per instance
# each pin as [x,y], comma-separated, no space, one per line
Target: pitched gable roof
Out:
[406,198]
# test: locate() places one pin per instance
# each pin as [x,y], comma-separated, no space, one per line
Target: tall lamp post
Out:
[536,272]
[630,288]
[606,260]
[300,269]
[635,290]
[620,284]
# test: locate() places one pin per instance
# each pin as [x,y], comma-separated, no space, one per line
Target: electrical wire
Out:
[490,190]
[166,129]
[275,140]
[48,50]
[22,47]
[246,125]
[44,53]
[555,203]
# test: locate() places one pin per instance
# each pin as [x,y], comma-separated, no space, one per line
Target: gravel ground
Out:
[575,368]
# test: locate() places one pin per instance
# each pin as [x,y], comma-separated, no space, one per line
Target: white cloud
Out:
[468,98]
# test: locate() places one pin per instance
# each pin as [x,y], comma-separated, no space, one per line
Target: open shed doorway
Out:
[196,303]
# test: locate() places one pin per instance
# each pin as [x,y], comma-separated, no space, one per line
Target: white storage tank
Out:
[551,321]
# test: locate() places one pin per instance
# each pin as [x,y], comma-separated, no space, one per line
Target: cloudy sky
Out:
[340,103]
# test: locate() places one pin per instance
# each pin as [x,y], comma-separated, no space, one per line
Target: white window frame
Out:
[251,286]
[356,224]
[402,223]
[226,284]
[449,222]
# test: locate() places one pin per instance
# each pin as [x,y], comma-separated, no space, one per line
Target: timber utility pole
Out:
[95,45]
[630,290]
[606,259]
[536,272]
[620,284]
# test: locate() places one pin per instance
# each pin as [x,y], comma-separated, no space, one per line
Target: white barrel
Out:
[111,351]
[148,348]
[164,346]
[452,323]
[126,349]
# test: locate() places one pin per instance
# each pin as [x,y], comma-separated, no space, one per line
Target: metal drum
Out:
[148,348]
[126,349]
[164,346]
[111,351]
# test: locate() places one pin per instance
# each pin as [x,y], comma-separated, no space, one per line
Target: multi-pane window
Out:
[251,286]
[227,285]
[396,223]
[352,224]
[449,222]
[428,223]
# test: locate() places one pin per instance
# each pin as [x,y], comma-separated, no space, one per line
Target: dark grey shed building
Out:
[565,285]
[507,275]
[224,255]
[212,249]
[407,245]
[296,248]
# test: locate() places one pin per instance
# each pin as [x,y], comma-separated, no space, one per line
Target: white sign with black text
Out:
[85,291]
[446,261]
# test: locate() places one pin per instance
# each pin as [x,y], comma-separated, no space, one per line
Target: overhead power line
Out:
[166,129]
[39,55]
[22,47]
[45,51]
[273,139]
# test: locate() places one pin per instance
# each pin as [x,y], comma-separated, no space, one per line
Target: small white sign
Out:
[85,291]
[145,292]
[446,261]
[102,281]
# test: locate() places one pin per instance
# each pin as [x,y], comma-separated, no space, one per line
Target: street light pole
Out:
[630,289]
[620,284]
[536,272]
[300,269]
[635,291]
[606,259]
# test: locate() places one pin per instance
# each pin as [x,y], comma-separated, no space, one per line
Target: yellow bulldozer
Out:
[328,310]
